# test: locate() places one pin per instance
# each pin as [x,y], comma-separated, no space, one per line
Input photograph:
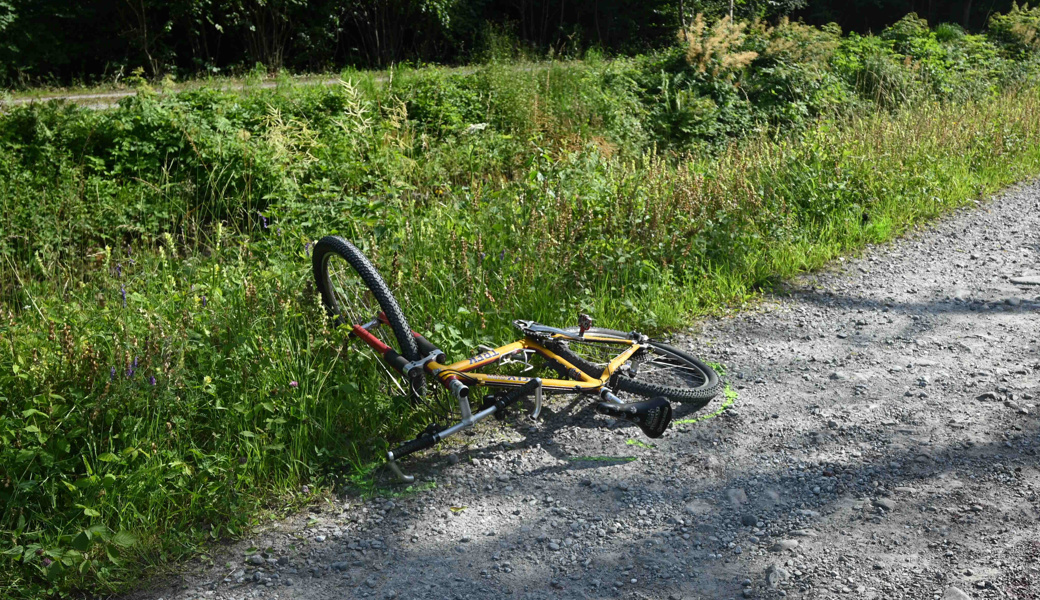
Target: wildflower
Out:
[279,231]
[128,250]
[112,374]
[47,562]
[483,255]
[203,302]
[135,362]
[264,218]
[294,384]
[502,254]
[130,372]
[122,290]
[151,380]
[119,270]
[307,248]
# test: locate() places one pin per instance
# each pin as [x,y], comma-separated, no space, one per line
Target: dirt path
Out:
[106,100]
[883,445]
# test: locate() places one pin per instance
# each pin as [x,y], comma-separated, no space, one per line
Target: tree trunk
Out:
[967,14]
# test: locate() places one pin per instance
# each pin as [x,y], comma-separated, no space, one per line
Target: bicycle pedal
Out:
[489,401]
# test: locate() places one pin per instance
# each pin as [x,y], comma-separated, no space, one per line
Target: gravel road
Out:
[883,445]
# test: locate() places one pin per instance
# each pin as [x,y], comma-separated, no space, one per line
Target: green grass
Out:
[167,374]
[639,443]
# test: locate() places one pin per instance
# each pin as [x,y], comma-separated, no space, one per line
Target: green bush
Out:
[878,74]
[1018,31]
[949,32]
[793,79]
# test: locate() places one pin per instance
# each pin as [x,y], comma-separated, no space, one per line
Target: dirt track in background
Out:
[883,445]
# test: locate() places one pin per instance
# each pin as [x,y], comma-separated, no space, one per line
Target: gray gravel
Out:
[883,445]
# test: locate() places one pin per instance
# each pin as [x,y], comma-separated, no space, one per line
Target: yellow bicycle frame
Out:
[581,382]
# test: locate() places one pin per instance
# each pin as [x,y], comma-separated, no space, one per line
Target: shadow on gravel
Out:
[578,412]
[532,558]
[832,300]
[646,509]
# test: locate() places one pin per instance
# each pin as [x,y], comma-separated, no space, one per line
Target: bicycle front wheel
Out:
[354,293]
[656,370]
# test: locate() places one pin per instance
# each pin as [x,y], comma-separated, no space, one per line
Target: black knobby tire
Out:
[703,384]
[326,250]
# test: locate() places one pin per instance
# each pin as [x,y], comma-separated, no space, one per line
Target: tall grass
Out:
[166,370]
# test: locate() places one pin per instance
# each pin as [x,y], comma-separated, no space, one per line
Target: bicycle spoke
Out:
[357,306]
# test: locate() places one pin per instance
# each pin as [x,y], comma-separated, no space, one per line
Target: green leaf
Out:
[82,542]
[13,551]
[123,539]
[56,570]
[90,512]
[72,557]
[108,457]
[32,411]
[111,557]
[247,434]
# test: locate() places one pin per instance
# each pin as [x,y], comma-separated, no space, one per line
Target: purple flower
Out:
[129,372]
[151,380]
[264,218]
[294,384]
[502,254]
[307,248]
[119,270]
[122,290]
[279,231]
[112,375]
[203,302]
[128,250]
[135,362]
[47,562]
[483,255]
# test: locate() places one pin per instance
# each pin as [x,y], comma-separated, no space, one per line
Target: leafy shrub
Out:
[792,80]
[877,73]
[1017,31]
[716,50]
[444,104]
[949,32]
[907,33]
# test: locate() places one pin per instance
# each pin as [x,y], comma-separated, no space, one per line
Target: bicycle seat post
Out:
[461,393]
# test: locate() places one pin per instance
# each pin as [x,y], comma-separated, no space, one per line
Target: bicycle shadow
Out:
[556,420]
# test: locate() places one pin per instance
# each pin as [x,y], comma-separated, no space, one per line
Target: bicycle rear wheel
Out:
[353,293]
[657,370]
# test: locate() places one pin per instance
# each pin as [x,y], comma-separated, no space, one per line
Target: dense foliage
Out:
[165,369]
[61,42]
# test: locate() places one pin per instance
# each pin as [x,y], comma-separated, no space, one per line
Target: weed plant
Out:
[167,376]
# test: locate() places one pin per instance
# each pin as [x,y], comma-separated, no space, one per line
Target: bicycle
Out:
[586,359]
